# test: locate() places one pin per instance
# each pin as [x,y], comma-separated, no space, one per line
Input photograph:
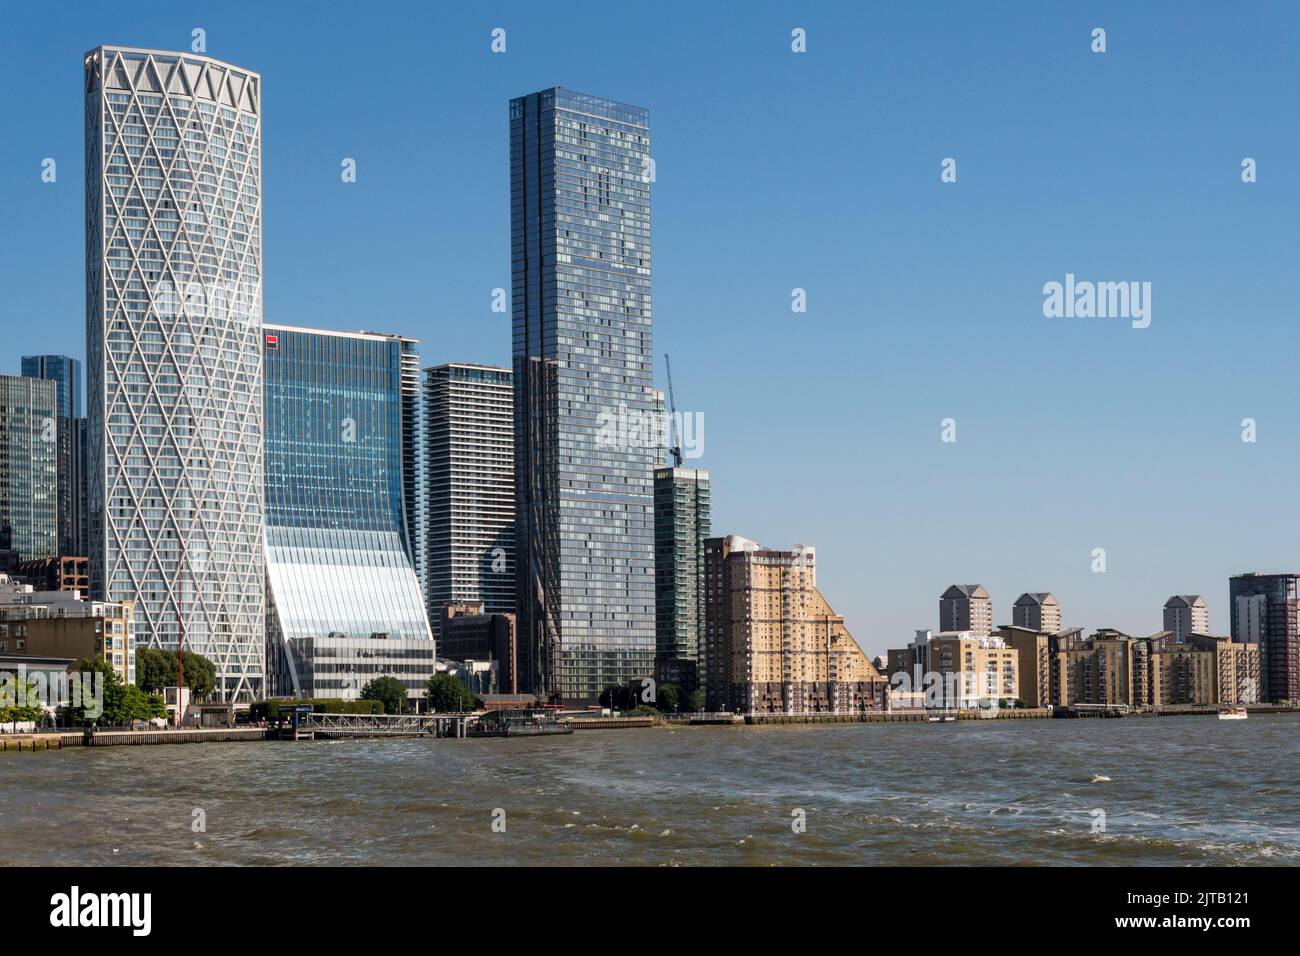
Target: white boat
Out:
[1233,713]
[942,720]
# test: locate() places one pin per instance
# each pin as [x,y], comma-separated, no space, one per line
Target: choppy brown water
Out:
[1181,791]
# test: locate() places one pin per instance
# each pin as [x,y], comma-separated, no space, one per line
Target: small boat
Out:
[1233,713]
[946,719]
[518,723]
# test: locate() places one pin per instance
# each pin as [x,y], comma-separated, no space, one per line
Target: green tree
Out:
[151,672]
[695,701]
[20,707]
[122,703]
[83,713]
[448,695]
[668,698]
[156,668]
[200,674]
[131,703]
[387,689]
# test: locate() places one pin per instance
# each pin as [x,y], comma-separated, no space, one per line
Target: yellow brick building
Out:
[773,644]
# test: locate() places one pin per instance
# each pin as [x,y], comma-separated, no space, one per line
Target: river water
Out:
[1181,791]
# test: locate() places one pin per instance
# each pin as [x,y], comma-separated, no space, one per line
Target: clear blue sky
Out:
[820,171]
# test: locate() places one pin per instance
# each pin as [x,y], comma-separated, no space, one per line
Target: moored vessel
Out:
[518,723]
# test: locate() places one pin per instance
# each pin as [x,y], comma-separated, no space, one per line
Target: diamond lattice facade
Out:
[173,352]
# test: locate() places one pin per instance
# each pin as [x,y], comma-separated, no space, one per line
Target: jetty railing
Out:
[379,725]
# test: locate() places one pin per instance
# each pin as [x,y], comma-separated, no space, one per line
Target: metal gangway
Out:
[332,726]
[1100,710]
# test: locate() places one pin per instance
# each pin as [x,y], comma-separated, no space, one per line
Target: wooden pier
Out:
[714,720]
[881,717]
[612,723]
[900,716]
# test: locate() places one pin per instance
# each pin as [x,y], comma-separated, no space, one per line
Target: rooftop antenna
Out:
[676,449]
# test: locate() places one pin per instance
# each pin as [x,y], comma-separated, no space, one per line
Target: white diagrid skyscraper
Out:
[174,351]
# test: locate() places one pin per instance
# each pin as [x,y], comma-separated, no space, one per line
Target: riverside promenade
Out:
[336,726]
[1010,713]
[896,716]
[59,739]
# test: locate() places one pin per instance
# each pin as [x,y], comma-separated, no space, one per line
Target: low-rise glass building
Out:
[344,604]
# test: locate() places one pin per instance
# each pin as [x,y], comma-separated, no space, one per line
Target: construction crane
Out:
[676,449]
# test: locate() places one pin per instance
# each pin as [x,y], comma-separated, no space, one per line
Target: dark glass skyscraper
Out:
[28,470]
[580,283]
[1265,611]
[65,372]
[344,604]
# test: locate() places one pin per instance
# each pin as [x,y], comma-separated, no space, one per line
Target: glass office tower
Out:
[174,352]
[580,280]
[344,604]
[469,499]
[28,470]
[65,372]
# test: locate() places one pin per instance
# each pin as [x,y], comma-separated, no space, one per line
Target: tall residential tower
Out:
[682,522]
[469,488]
[1036,611]
[174,352]
[966,607]
[580,174]
[1186,614]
